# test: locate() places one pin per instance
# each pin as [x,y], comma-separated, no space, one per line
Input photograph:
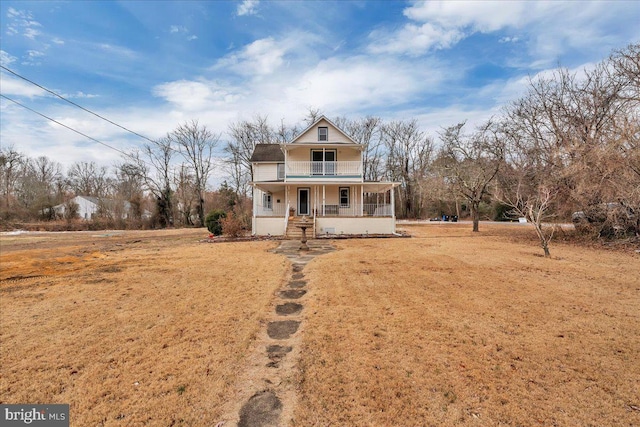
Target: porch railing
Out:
[328,210]
[319,169]
[355,210]
[275,210]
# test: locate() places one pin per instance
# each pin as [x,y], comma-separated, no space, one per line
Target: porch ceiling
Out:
[272,187]
[379,187]
[368,187]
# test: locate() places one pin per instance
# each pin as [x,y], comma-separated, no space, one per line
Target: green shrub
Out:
[501,212]
[213,221]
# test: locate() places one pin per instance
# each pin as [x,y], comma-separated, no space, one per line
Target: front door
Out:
[303,201]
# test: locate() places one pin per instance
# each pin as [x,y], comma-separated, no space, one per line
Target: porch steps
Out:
[295,233]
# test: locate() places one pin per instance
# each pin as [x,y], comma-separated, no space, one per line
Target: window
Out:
[323,162]
[280,171]
[323,134]
[344,197]
[267,201]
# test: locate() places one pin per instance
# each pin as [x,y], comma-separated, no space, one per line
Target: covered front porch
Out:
[349,208]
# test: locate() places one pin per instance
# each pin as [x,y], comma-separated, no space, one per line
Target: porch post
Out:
[393,205]
[323,198]
[286,198]
[315,201]
[361,200]
[253,202]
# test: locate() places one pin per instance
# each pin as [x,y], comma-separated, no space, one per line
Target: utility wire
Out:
[74,104]
[68,127]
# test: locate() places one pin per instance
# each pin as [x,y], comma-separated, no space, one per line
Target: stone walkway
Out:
[266,406]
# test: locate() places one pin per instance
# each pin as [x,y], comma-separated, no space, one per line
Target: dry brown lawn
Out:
[450,328]
[445,328]
[131,329]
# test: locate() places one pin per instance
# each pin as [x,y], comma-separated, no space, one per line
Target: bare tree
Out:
[10,165]
[47,181]
[244,137]
[153,165]
[129,185]
[87,179]
[313,114]
[579,134]
[366,131]
[471,162]
[185,194]
[286,133]
[409,154]
[196,144]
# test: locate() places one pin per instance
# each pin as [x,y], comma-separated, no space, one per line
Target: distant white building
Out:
[90,207]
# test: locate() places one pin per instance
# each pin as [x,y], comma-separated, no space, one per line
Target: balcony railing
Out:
[323,169]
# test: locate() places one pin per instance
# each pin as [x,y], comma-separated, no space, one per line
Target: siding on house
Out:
[311,135]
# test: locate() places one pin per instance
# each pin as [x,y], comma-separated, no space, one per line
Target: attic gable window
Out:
[323,134]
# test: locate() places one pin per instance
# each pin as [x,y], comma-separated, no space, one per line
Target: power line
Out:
[75,104]
[68,127]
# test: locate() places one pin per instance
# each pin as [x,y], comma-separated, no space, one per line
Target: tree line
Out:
[568,149]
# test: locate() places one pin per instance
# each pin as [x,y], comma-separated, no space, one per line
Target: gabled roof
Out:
[323,117]
[92,199]
[267,153]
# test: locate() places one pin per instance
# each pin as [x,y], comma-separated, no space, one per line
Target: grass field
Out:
[131,329]
[445,328]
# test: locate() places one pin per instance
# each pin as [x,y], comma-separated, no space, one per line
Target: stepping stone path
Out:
[264,408]
[292,293]
[289,308]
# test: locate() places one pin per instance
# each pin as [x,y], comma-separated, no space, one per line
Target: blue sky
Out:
[152,65]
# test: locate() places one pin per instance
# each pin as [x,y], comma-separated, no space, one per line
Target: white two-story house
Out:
[319,174]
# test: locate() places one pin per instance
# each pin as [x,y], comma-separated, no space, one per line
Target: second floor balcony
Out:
[351,169]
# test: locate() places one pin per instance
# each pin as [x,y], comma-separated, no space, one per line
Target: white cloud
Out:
[442,24]
[117,50]
[358,82]
[509,40]
[196,95]
[433,121]
[32,54]
[414,39]
[56,40]
[22,22]
[31,33]
[484,16]
[177,29]
[17,87]
[32,57]
[548,28]
[80,94]
[248,7]
[6,59]
[261,57]
[182,30]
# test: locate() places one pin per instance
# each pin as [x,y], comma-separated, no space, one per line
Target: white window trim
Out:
[267,201]
[327,133]
[348,197]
